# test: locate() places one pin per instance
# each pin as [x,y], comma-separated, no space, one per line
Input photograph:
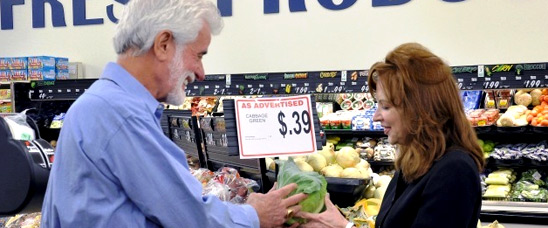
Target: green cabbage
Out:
[310,183]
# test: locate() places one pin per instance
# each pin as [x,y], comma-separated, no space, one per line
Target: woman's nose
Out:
[377,115]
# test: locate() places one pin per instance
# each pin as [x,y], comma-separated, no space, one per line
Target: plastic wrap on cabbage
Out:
[534,176]
[523,186]
[310,183]
[535,195]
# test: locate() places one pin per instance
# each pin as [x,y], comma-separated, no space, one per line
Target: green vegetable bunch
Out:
[534,176]
[310,183]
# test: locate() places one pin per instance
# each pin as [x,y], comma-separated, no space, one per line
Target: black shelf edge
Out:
[381,163]
[469,77]
[352,132]
[523,130]
[492,131]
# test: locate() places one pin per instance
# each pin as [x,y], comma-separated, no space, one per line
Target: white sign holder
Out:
[271,127]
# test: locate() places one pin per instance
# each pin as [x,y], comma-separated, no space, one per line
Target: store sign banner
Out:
[57,13]
[273,6]
[225,8]
[271,127]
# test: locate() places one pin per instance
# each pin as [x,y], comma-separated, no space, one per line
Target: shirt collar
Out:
[130,84]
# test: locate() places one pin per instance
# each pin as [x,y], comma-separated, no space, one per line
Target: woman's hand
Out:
[330,218]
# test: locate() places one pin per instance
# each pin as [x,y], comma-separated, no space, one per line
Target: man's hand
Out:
[273,206]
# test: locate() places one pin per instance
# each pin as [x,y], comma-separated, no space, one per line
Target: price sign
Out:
[338,89]
[531,83]
[218,91]
[365,88]
[254,91]
[269,127]
[491,85]
[301,90]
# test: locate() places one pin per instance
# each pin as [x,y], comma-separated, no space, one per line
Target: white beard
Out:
[179,77]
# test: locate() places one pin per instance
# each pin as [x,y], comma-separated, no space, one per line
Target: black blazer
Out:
[448,195]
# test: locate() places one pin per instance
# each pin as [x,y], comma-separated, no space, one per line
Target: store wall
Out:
[464,33]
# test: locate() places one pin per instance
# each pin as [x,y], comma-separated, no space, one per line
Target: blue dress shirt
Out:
[114,167]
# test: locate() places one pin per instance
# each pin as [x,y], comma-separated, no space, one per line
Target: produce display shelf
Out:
[520,162]
[5,100]
[515,207]
[380,163]
[352,132]
[530,130]
[494,130]
[345,191]
[55,99]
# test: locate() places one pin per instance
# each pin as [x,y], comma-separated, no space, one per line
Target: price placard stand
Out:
[275,126]
[232,134]
[267,177]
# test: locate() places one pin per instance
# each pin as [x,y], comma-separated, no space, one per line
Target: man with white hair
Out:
[114,167]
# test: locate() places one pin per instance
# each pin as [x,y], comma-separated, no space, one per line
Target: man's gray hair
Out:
[142,20]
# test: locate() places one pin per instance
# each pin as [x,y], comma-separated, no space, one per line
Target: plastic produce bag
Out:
[239,188]
[217,189]
[226,184]
[24,220]
[534,176]
[203,175]
[470,99]
[20,129]
[535,195]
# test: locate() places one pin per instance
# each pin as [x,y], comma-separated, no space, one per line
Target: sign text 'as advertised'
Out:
[269,127]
